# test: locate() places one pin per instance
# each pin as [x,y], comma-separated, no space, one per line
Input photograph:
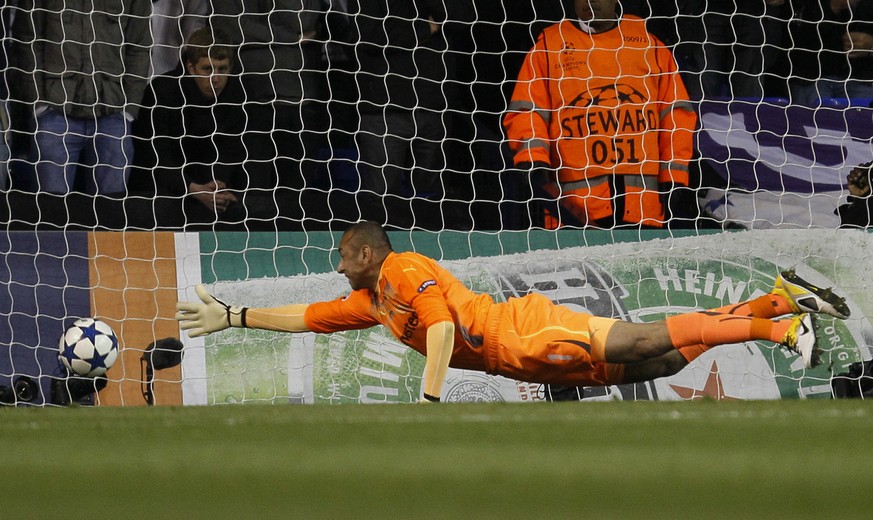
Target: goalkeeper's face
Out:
[356,265]
[591,10]
[210,75]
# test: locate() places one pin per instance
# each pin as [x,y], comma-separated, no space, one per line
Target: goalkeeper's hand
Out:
[213,315]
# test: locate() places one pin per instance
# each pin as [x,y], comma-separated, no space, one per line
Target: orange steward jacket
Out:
[609,113]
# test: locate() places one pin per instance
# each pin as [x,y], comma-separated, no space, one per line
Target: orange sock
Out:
[708,329]
[767,306]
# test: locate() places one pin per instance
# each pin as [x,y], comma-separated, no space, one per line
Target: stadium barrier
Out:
[132,281]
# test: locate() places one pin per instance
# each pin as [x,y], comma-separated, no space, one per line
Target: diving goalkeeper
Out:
[528,338]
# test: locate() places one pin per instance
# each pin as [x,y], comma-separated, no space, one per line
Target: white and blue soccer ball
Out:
[88,348]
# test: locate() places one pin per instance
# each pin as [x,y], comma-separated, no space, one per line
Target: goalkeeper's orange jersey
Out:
[594,106]
[529,339]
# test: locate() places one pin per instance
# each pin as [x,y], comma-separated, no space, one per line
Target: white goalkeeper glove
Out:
[213,315]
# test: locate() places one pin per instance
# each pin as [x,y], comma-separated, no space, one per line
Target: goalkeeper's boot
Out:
[806,297]
[800,339]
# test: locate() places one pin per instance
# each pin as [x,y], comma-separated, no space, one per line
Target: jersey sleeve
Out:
[529,113]
[423,285]
[350,312]
[432,307]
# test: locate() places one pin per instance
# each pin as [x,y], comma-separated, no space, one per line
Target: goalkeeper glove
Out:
[213,315]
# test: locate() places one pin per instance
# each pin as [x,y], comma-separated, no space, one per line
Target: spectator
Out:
[270,36]
[486,63]
[20,126]
[858,210]
[832,51]
[321,54]
[83,75]
[601,121]
[172,22]
[729,45]
[337,59]
[402,80]
[195,124]
[5,153]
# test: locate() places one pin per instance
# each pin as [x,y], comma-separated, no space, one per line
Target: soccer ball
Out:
[88,348]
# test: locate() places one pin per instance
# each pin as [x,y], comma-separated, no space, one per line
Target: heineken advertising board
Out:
[608,274]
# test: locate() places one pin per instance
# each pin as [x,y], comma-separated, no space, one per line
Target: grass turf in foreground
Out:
[777,459]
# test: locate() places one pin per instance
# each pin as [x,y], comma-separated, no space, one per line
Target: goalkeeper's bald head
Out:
[368,233]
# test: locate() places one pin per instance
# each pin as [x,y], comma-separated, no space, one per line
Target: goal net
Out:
[247,136]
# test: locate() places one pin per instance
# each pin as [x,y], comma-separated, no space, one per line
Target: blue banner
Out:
[766,146]
[44,281]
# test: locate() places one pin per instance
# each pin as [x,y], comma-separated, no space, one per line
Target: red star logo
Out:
[713,389]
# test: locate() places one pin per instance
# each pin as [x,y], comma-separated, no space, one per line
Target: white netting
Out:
[393,111]
[500,120]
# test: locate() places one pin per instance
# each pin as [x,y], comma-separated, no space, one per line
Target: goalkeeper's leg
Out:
[766,306]
[800,338]
[663,348]
[661,366]
[616,341]
[783,299]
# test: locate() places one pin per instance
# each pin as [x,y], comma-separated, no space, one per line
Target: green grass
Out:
[779,459]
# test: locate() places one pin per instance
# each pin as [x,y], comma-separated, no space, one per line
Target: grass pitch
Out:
[777,459]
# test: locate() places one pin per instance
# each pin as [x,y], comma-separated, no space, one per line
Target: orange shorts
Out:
[532,339]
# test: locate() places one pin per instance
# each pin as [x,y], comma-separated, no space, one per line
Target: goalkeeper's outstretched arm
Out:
[212,315]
